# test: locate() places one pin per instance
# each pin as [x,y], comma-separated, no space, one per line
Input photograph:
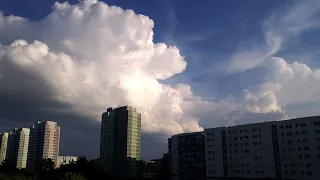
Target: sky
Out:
[186,65]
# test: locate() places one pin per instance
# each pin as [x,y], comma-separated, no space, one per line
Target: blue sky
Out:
[247,61]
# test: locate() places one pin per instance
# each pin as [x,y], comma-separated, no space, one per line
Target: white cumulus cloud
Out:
[93,56]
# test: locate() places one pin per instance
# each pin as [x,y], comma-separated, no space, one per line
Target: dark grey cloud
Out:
[26,98]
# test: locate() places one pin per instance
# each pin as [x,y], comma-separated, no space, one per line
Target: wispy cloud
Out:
[283,25]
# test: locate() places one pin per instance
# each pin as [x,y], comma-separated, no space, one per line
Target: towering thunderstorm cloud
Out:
[90,56]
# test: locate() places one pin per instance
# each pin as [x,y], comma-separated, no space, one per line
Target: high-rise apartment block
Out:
[43,144]
[17,147]
[121,141]
[288,149]
[3,146]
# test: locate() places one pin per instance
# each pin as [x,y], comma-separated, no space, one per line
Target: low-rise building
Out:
[62,160]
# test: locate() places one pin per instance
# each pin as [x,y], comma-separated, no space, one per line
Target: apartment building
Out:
[299,144]
[250,152]
[288,150]
[17,147]
[187,156]
[3,146]
[63,160]
[43,144]
[216,153]
[121,141]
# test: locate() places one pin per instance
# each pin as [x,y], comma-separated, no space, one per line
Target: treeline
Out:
[80,170]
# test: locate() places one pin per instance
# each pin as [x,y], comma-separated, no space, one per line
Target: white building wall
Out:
[3,146]
[62,160]
[214,152]
[23,144]
[250,151]
[299,145]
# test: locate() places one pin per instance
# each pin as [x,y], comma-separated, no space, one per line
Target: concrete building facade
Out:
[17,147]
[120,141]
[287,149]
[43,144]
[187,156]
[3,146]
[216,153]
[299,144]
[250,152]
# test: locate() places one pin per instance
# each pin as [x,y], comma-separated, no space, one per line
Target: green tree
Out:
[73,176]
[164,172]
[47,165]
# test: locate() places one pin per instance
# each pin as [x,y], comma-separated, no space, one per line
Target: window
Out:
[304,132]
[317,123]
[297,125]
[305,140]
[297,133]
[317,131]
[309,173]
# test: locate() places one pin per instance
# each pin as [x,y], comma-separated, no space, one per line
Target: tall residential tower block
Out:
[121,141]
[43,144]
[3,146]
[17,147]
